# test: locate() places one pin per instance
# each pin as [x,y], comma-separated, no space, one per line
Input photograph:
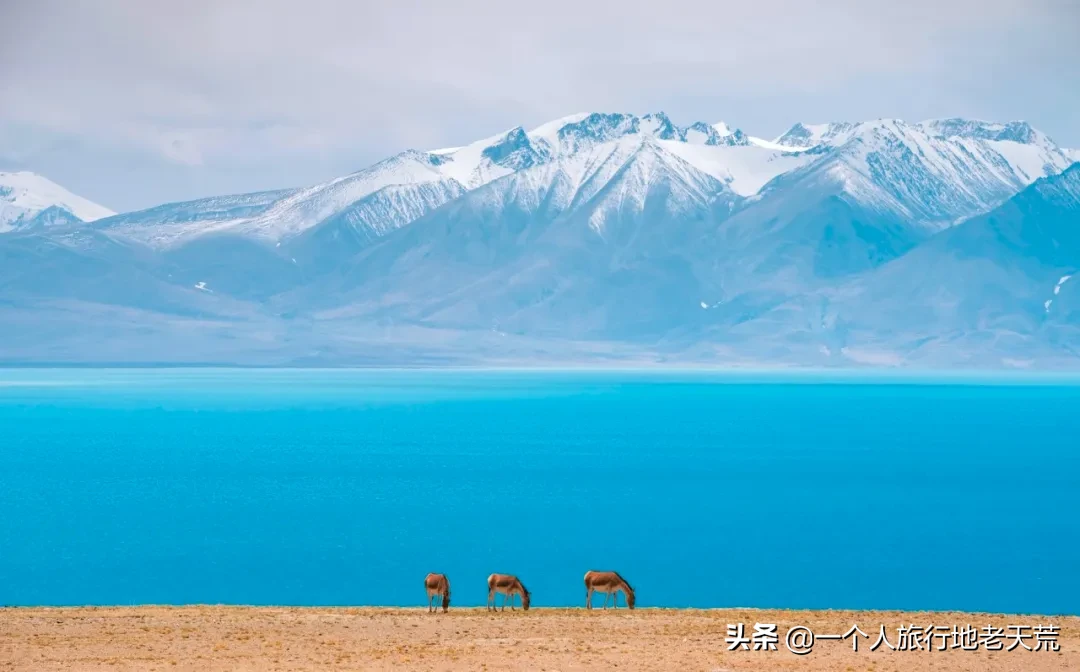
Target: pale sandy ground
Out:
[243,638]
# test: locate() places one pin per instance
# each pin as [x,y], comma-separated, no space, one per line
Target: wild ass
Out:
[509,586]
[436,585]
[609,583]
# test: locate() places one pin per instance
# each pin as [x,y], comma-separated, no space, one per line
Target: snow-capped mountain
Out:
[1002,281]
[592,242]
[937,169]
[697,239]
[416,182]
[868,194]
[829,213]
[935,172]
[884,164]
[25,195]
[804,136]
[1015,131]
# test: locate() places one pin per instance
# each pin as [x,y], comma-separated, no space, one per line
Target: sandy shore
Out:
[247,638]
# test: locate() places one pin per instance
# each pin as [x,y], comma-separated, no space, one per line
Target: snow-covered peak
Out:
[658,125]
[1073,154]
[480,162]
[485,160]
[834,134]
[305,208]
[1014,131]
[580,132]
[700,133]
[802,136]
[549,131]
[513,150]
[408,167]
[23,195]
[603,184]
[595,129]
[644,173]
[930,172]
[916,172]
[729,156]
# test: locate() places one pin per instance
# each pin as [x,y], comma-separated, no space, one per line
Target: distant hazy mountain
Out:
[28,200]
[161,225]
[592,237]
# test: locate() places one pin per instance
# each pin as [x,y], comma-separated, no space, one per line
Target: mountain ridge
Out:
[825,246]
[25,195]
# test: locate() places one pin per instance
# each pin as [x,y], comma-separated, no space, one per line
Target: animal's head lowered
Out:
[525,599]
[446,601]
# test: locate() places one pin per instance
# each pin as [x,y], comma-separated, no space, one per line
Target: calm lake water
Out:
[347,487]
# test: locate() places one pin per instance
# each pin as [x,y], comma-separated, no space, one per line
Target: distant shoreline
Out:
[753,374]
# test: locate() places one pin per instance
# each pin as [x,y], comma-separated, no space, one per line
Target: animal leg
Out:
[588,598]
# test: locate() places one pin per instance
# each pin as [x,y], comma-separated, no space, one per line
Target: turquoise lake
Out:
[307,487]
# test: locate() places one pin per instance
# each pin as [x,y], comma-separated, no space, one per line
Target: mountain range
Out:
[595,238]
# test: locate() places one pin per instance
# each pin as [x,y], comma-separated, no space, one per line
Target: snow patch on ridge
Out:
[776,147]
[1057,290]
[745,169]
[722,128]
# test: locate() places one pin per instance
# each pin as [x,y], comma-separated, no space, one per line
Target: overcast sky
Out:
[136,102]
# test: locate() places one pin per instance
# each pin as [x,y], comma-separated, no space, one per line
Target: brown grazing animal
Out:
[437,584]
[509,586]
[609,583]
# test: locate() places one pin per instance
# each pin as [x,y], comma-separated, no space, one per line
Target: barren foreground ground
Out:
[245,638]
